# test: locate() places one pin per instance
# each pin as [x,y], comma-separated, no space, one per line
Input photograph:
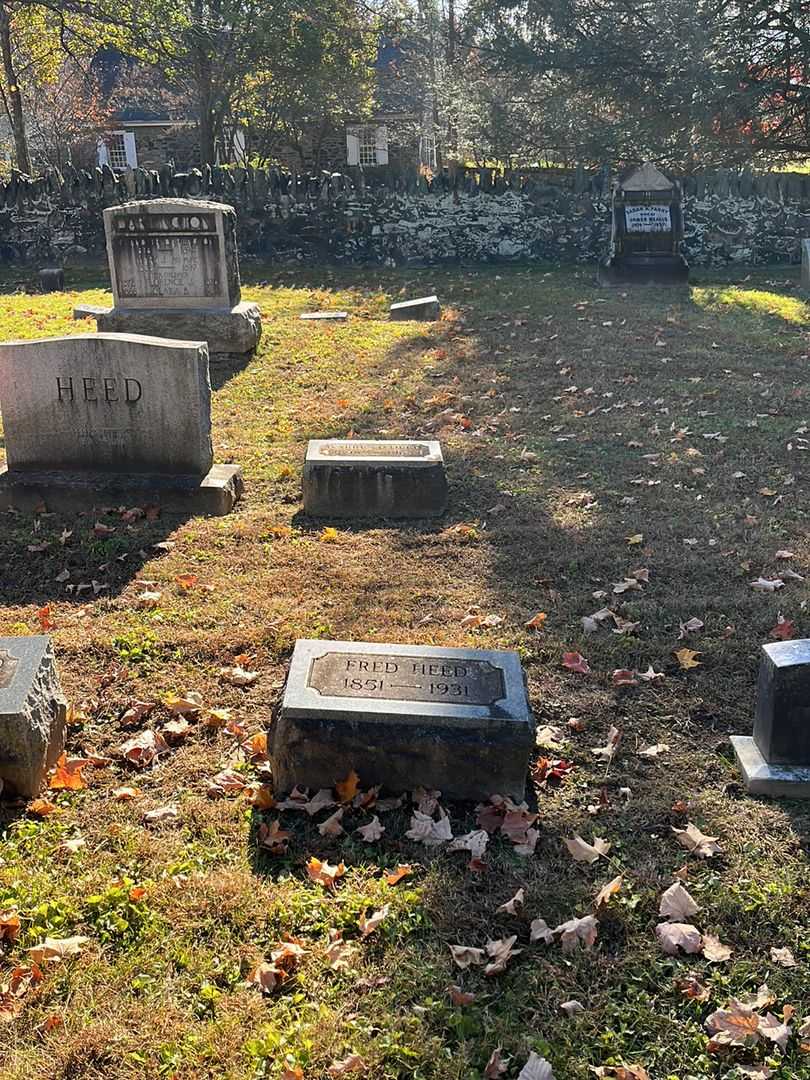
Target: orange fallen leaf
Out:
[402,871]
[68,774]
[42,807]
[9,925]
[537,622]
[323,873]
[46,623]
[686,658]
[186,581]
[125,793]
[575,661]
[347,788]
[784,630]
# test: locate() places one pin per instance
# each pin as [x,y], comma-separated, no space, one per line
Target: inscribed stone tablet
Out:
[174,253]
[644,219]
[106,402]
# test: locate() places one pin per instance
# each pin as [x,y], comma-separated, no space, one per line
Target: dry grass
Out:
[571,419]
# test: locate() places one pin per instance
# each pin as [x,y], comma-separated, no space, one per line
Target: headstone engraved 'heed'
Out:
[456,720]
[646,231]
[174,270]
[33,711]
[360,478]
[94,419]
[776,760]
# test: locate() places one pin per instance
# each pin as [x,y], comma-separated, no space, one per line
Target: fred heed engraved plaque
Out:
[406,678]
[457,720]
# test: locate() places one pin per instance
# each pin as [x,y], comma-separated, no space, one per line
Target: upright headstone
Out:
[405,716]
[33,712]
[100,419]
[359,478]
[776,760]
[52,279]
[646,231]
[423,308]
[174,270]
[805,278]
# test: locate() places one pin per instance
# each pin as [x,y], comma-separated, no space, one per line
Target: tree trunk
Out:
[16,115]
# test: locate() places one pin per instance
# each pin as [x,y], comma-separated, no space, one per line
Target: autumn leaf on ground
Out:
[577,931]
[537,622]
[585,852]
[41,807]
[338,952]
[9,925]
[351,1064]
[677,935]
[322,800]
[371,832]
[697,842]
[624,677]
[465,955]
[676,904]
[536,1068]
[496,1066]
[784,630]
[186,581]
[575,661]
[653,751]
[265,977]
[237,676]
[500,953]
[67,774]
[572,1008]
[161,814]
[475,842]
[714,950]
[57,949]
[605,893]
[429,832]
[226,782]
[767,585]
[607,751]
[271,837]
[513,906]
[635,540]
[691,986]
[332,826]
[621,1072]
[46,623]
[686,658]
[460,997]
[328,535]
[126,793]
[148,599]
[783,956]
[738,1025]
[143,749]
[689,627]
[323,873]
[347,789]
[370,924]
[539,930]
[402,871]
[184,705]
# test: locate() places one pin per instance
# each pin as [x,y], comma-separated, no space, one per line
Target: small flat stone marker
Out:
[324,316]
[99,419]
[425,308]
[776,760]
[455,720]
[355,478]
[33,711]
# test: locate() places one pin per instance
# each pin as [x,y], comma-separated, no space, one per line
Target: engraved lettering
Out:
[132,390]
[89,384]
[64,386]
[110,390]
[375,449]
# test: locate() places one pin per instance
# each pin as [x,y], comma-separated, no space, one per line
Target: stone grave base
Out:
[68,492]
[374,478]
[636,271]
[233,331]
[761,778]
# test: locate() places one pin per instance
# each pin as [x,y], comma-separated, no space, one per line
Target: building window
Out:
[117,149]
[367,145]
[427,151]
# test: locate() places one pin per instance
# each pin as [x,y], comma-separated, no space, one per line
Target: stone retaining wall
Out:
[467,215]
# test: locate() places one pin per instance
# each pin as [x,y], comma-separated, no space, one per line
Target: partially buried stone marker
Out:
[174,270]
[425,308]
[32,714]
[324,316]
[94,419]
[776,761]
[456,720]
[374,478]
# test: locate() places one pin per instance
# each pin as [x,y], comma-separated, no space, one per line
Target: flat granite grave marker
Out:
[424,308]
[324,316]
[804,282]
[374,478]
[33,712]
[174,270]
[776,760]
[100,419]
[456,720]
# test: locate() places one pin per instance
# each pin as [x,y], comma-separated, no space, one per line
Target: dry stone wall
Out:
[464,215]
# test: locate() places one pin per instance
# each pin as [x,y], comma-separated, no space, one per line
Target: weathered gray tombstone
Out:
[95,419]
[805,278]
[174,269]
[646,231]
[324,316]
[424,308]
[88,311]
[776,760]
[454,720]
[52,279]
[33,713]
[357,478]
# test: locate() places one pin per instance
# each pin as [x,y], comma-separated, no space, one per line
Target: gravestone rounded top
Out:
[169,206]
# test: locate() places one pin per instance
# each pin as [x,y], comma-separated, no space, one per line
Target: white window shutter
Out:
[381,144]
[102,153]
[130,150]
[352,147]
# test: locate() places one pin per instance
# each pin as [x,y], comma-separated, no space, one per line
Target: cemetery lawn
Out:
[589,434]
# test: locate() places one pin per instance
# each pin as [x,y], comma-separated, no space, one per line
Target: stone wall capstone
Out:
[392,217]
